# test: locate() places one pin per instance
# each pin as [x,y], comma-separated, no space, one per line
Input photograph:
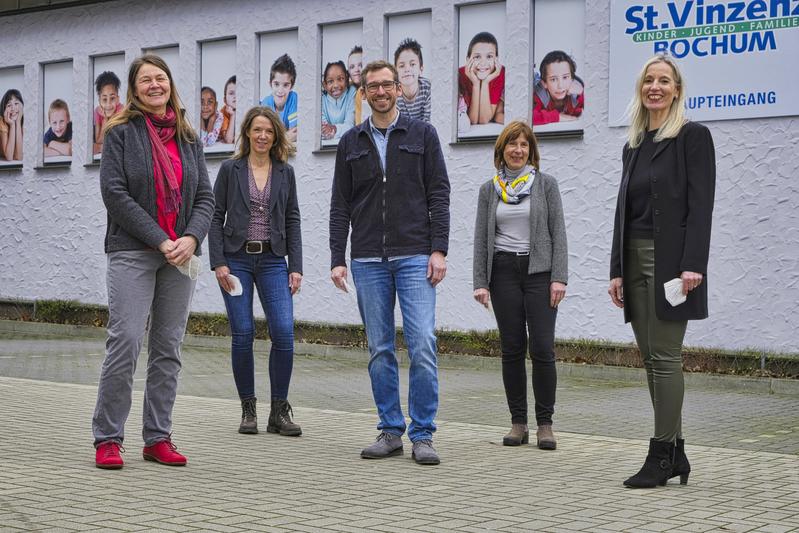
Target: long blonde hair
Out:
[639,115]
[135,108]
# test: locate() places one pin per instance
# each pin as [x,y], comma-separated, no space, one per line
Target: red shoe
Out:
[164,452]
[107,455]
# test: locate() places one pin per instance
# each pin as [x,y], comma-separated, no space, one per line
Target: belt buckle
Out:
[522,254]
[250,247]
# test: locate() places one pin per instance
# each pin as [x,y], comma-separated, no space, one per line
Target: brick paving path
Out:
[743,448]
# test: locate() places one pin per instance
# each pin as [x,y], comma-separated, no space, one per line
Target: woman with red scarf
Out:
[155,187]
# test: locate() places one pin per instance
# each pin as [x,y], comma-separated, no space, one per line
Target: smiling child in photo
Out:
[415,100]
[58,139]
[107,87]
[338,101]
[558,95]
[481,81]
[283,99]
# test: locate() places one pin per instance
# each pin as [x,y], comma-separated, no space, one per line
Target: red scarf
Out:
[161,129]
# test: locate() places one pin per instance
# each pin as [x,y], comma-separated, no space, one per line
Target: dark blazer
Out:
[682,175]
[232,213]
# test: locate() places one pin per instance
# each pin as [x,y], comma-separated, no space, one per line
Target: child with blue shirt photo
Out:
[283,99]
[338,101]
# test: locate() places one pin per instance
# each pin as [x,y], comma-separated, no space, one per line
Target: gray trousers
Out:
[141,285]
[659,341]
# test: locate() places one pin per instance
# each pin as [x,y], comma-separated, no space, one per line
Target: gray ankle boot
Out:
[280,419]
[249,420]
[517,435]
[545,437]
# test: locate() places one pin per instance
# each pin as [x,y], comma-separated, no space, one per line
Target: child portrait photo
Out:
[57,139]
[217,125]
[342,61]
[558,90]
[409,39]
[109,95]
[481,76]
[278,77]
[12,106]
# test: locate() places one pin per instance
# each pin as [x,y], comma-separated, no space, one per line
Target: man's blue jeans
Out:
[269,274]
[379,285]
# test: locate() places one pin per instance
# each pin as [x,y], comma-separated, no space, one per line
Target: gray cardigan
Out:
[128,189]
[548,251]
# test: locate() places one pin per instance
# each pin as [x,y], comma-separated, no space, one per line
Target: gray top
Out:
[548,251]
[128,189]
[513,227]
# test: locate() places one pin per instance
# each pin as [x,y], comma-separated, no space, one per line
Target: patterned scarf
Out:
[161,129]
[516,190]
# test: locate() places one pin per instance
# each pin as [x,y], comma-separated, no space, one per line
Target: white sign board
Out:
[738,58]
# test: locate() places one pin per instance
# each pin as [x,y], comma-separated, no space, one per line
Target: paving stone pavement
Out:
[719,418]
[317,482]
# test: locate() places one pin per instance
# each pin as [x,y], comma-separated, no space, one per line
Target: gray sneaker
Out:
[386,445]
[424,453]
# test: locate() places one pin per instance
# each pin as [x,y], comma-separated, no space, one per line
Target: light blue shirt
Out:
[381,141]
[339,112]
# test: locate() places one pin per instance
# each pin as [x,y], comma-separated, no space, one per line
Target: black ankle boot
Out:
[249,419]
[280,419]
[657,468]
[681,466]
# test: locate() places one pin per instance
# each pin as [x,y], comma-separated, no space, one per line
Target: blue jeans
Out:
[269,274]
[378,286]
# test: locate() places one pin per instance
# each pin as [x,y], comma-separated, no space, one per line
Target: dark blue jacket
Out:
[404,211]
[232,213]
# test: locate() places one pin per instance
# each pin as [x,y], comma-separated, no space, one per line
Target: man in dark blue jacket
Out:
[391,185]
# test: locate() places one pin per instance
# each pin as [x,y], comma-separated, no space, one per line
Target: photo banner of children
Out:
[13,119]
[217,125]
[409,41]
[481,77]
[558,89]
[278,77]
[109,88]
[56,102]
[343,104]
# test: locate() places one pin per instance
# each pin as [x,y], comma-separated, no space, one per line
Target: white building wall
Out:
[53,220]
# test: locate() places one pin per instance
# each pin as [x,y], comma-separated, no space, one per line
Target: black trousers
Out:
[521,306]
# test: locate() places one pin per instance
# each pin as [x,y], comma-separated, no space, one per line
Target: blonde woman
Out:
[661,233]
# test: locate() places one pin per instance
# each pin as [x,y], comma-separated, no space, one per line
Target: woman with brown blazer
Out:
[661,233]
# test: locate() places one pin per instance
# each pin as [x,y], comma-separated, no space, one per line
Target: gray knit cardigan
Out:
[548,251]
[128,189]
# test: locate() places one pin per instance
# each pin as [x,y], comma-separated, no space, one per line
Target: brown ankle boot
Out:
[249,420]
[517,435]
[545,437]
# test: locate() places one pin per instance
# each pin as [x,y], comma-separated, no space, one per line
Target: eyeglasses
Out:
[386,85]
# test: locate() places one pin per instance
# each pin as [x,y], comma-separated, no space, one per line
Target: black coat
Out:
[232,213]
[682,177]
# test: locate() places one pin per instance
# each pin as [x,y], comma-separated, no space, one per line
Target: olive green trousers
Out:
[659,341]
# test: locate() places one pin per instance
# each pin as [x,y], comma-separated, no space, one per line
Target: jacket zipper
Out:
[383,176]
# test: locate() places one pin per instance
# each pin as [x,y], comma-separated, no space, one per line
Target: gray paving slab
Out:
[712,416]
[743,448]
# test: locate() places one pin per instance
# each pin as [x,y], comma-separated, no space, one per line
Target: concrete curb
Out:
[751,384]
